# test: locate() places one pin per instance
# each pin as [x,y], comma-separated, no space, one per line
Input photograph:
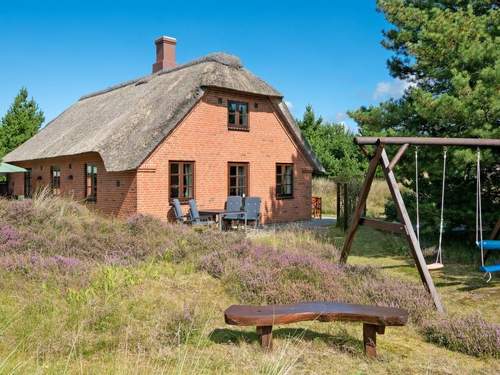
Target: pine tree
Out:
[20,123]
[309,123]
[450,51]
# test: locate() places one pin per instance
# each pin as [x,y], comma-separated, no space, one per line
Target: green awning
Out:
[9,168]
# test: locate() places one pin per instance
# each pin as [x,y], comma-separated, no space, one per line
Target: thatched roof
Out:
[125,123]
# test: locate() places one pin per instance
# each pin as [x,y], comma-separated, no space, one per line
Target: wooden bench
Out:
[374,318]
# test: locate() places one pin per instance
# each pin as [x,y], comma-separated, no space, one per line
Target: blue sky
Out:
[326,53]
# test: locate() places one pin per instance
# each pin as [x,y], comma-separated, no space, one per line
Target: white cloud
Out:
[393,89]
[289,104]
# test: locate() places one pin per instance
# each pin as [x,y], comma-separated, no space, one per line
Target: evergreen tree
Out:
[20,123]
[449,50]
[333,145]
[309,123]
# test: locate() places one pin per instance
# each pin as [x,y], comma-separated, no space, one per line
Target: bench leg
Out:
[370,338]
[265,334]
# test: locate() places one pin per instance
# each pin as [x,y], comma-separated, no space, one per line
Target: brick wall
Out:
[203,137]
[111,199]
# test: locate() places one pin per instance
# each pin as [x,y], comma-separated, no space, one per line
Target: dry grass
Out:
[154,311]
[326,189]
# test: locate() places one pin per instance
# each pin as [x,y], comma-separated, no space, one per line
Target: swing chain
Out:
[417,195]
[479,216]
[439,258]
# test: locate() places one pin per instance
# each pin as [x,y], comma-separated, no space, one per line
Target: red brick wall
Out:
[111,199]
[203,137]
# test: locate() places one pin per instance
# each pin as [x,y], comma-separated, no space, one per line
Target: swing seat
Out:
[491,269]
[489,244]
[435,266]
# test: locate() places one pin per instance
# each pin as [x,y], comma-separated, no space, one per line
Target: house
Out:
[205,130]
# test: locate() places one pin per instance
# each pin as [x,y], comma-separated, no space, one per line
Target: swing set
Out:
[404,226]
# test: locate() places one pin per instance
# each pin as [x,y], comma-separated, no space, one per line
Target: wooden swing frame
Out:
[404,226]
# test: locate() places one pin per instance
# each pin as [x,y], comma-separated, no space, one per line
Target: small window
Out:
[237,115]
[238,179]
[91,182]
[55,184]
[284,180]
[181,180]
[27,183]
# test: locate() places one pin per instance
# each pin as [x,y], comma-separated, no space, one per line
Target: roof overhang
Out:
[9,168]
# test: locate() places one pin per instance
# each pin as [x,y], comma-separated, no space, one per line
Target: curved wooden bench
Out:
[374,318]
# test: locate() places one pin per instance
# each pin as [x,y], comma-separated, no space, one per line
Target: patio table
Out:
[220,213]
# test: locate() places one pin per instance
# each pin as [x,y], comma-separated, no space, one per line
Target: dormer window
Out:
[237,115]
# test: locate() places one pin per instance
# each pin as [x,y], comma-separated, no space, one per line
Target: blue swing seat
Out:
[489,244]
[491,269]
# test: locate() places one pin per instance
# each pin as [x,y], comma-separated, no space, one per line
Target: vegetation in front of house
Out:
[21,122]
[449,54]
[81,291]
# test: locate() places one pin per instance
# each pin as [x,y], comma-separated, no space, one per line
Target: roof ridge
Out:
[217,57]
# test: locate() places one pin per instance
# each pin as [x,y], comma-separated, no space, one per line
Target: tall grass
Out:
[79,289]
[327,190]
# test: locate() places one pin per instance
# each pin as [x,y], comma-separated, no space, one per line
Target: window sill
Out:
[181,201]
[283,197]
[238,128]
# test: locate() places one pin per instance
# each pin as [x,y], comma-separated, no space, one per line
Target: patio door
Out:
[238,179]
[27,183]
[4,184]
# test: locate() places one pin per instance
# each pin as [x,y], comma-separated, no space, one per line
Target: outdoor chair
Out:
[234,205]
[180,217]
[195,217]
[252,209]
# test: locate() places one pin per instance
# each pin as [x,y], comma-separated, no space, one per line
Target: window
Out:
[238,178]
[181,180]
[284,180]
[55,182]
[237,115]
[90,182]
[27,183]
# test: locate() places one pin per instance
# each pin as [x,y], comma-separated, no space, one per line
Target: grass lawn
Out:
[460,283]
[163,312]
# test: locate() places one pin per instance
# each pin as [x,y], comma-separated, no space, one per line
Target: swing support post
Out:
[411,237]
[380,158]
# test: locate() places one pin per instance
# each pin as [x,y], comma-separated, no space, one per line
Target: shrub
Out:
[59,234]
[471,335]
[9,237]
[259,274]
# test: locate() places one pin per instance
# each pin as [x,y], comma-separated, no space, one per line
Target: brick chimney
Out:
[165,53]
